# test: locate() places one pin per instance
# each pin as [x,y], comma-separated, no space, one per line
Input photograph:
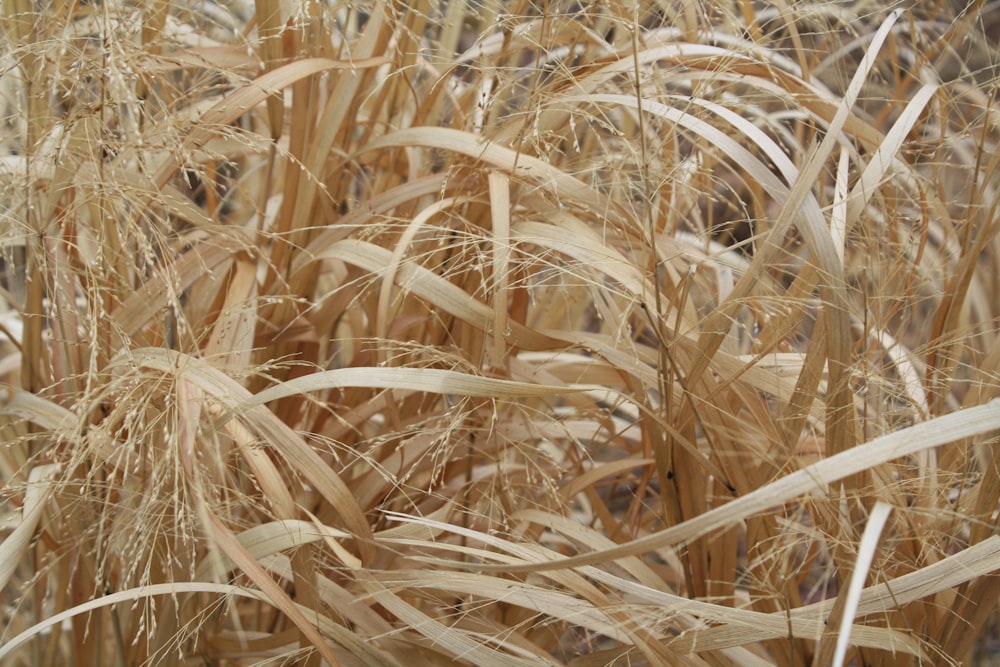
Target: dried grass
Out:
[492,333]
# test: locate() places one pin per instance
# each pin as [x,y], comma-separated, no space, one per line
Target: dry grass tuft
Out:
[499,333]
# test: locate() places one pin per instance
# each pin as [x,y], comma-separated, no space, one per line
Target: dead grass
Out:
[498,333]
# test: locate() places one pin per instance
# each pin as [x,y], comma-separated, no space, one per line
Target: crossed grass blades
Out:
[499,333]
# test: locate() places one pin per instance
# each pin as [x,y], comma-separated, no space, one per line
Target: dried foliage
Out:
[499,333]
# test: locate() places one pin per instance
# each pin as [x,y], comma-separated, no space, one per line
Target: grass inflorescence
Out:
[499,333]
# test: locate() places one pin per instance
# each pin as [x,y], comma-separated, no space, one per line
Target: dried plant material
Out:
[852,594]
[499,333]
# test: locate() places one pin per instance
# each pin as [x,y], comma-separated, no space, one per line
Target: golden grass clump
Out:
[499,333]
